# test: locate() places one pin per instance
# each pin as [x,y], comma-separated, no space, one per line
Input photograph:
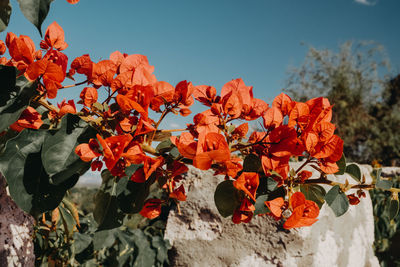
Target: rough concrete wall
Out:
[16,228]
[201,237]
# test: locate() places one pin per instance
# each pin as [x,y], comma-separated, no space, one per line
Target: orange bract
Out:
[304,212]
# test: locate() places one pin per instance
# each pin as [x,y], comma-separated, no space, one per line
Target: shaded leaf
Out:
[59,158]
[393,208]
[35,11]
[252,163]
[226,198]
[382,183]
[106,212]
[260,205]
[5,13]
[164,146]
[28,182]
[354,171]
[342,165]
[15,94]
[337,200]
[314,193]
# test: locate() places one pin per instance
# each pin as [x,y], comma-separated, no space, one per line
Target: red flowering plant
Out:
[52,146]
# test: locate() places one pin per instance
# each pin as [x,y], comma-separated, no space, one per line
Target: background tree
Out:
[355,80]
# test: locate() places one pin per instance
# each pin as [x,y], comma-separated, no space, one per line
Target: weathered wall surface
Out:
[201,237]
[16,228]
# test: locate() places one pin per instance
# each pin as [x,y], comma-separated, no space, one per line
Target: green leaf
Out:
[226,198]
[68,221]
[165,146]
[106,212]
[337,200]
[266,186]
[393,208]
[81,242]
[15,94]
[28,182]
[35,11]
[59,158]
[260,205]
[314,193]
[354,171]
[131,196]
[5,13]
[342,165]
[252,163]
[382,183]
[174,153]
[103,239]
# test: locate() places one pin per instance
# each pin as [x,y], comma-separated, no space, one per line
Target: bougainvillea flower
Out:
[66,107]
[96,165]
[304,212]
[54,38]
[73,2]
[21,49]
[186,145]
[205,94]
[279,165]
[272,118]
[299,115]
[283,141]
[215,149]
[133,153]
[184,93]
[244,213]
[163,93]
[232,104]
[3,48]
[151,164]
[52,75]
[241,130]
[206,122]
[284,103]
[83,65]
[275,206]
[151,208]
[304,175]
[353,200]
[258,108]
[89,96]
[144,126]
[333,148]
[88,151]
[178,194]
[244,92]
[230,167]
[127,104]
[29,118]
[56,57]
[103,72]
[248,182]
[113,148]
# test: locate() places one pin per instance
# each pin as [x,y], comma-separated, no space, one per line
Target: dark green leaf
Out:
[28,182]
[354,171]
[59,158]
[342,165]
[103,239]
[314,193]
[131,196]
[15,94]
[81,242]
[67,220]
[5,13]
[260,206]
[164,146]
[35,11]
[106,212]
[252,163]
[337,200]
[393,208]
[266,186]
[174,153]
[226,198]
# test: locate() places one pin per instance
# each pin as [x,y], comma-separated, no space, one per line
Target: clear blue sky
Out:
[212,42]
